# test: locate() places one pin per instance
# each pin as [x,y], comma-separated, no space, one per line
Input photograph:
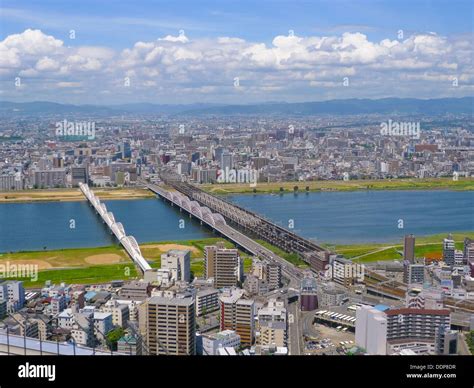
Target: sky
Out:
[175,52]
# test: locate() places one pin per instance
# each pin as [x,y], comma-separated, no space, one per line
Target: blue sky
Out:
[117,26]
[103,22]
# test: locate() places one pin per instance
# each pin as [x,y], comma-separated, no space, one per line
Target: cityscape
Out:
[224,181]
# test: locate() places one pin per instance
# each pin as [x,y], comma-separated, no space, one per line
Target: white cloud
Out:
[291,66]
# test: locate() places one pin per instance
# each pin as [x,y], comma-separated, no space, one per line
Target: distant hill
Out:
[463,105]
[351,106]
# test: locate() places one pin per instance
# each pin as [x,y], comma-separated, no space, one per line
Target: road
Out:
[294,329]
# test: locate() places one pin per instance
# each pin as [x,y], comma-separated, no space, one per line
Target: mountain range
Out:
[402,106]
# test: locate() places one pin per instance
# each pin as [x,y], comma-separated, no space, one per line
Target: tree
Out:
[113,336]
[295,188]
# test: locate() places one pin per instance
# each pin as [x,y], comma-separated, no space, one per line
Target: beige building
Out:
[171,326]
[238,314]
[223,265]
[272,324]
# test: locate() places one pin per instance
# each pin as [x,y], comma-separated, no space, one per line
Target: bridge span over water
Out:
[218,223]
[116,228]
[247,221]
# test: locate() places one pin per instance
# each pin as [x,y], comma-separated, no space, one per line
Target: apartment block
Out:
[224,265]
[238,314]
[171,326]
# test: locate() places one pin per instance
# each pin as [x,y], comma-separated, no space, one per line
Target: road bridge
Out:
[247,221]
[218,223]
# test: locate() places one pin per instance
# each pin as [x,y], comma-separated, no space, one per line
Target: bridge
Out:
[218,223]
[247,221]
[116,228]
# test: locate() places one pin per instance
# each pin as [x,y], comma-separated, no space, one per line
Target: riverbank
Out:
[106,194]
[103,264]
[425,246]
[73,194]
[462,184]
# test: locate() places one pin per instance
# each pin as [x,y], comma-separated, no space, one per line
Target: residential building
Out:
[224,265]
[238,314]
[448,251]
[179,263]
[415,329]
[409,248]
[272,324]
[171,326]
[207,301]
[211,343]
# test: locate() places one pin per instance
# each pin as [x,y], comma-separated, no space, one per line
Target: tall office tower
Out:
[415,329]
[126,150]
[179,263]
[224,265]
[171,326]
[448,250]
[238,314]
[409,248]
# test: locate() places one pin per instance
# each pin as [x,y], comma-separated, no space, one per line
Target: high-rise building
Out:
[273,275]
[171,326]
[413,273]
[55,177]
[415,329]
[226,161]
[11,182]
[78,175]
[409,248]
[448,250]
[126,151]
[468,250]
[178,261]
[14,293]
[238,314]
[222,264]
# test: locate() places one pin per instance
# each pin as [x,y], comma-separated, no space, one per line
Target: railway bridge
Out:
[247,221]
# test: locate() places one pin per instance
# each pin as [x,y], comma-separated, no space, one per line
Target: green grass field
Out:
[428,245]
[461,184]
[92,275]
[75,266]
[72,266]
